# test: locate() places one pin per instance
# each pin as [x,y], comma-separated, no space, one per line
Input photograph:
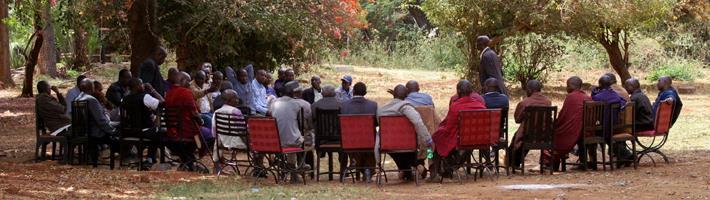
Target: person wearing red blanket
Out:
[534,98]
[569,122]
[445,137]
[180,97]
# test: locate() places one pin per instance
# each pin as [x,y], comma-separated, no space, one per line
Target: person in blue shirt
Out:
[668,93]
[417,98]
[492,95]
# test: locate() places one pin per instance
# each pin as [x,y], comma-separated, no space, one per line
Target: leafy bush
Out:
[678,69]
[530,57]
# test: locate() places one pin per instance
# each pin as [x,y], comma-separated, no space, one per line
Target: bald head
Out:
[200,77]
[289,88]
[412,86]
[664,82]
[328,91]
[315,82]
[491,85]
[482,42]
[400,92]
[86,86]
[183,79]
[230,97]
[242,76]
[464,88]
[574,83]
[533,86]
[632,85]
[612,77]
[605,81]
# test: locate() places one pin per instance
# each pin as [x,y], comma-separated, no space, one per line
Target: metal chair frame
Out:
[350,170]
[234,126]
[658,139]
[384,129]
[277,160]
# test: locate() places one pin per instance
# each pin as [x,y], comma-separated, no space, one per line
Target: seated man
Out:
[270,92]
[534,98]
[185,139]
[328,102]
[398,106]
[345,91]
[358,104]
[417,98]
[607,95]
[492,96]
[286,110]
[73,93]
[141,104]
[100,128]
[203,96]
[642,107]
[231,102]
[314,93]
[50,109]
[445,138]
[668,93]
[569,122]
[119,89]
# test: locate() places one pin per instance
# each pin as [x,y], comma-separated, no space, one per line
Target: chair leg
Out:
[603,157]
[522,163]
[612,154]
[633,151]
[330,165]
[317,167]
[44,151]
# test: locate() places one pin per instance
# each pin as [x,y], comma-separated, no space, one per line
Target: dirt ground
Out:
[686,177]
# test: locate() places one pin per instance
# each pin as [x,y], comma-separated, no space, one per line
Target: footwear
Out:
[405,176]
[296,178]
[368,176]
[259,173]
[421,171]
[434,179]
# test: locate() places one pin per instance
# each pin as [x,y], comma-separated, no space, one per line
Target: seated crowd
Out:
[247,92]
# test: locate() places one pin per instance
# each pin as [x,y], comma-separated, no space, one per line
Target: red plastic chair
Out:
[357,135]
[264,139]
[397,135]
[478,130]
[659,135]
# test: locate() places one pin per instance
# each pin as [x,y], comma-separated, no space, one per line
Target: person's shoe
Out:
[434,179]
[259,174]
[421,171]
[306,167]
[296,178]
[368,176]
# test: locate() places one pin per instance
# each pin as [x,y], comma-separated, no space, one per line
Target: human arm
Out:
[250,72]
[97,113]
[519,109]
[61,107]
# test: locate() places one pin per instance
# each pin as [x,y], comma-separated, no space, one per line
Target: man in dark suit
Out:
[491,66]
[359,105]
[150,71]
[314,93]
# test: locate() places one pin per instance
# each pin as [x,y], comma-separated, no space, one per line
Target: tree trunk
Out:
[81,59]
[144,39]
[474,61]
[5,74]
[49,48]
[617,58]
[31,61]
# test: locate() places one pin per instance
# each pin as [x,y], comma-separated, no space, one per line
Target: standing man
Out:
[490,66]
[313,94]
[344,92]
[150,71]
[119,89]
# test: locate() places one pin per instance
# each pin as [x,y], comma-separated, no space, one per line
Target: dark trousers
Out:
[518,156]
[185,150]
[95,146]
[404,160]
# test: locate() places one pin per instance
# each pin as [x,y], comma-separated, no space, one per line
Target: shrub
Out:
[678,69]
[530,57]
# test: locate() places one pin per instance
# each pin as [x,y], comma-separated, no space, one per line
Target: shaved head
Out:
[491,85]
[230,97]
[400,92]
[664,82]
[412,86]
[482,42]
[464,88]
[612,76]
[605,81]
[632,85]
[328,91]
[533,86]
[86,86]
[574,83]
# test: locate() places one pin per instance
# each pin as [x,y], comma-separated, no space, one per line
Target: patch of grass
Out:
[240,189]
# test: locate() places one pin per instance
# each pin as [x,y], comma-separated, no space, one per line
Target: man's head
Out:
[574,83]
[315,82]
[124,76]
[261,76]
[98,87]
[207,68]
[290,75]
[298,93]
[464,88]
[482,42]
[282,73]
[173,75]
[86,86]
[267,80]
[43,87]
[230,97]
[328,91]
[136,85]
[359,89]
[664,82]
[412,86]
[346,82]
[200,77]
[226,85]
[613,77]
[605,81]
[79,79]
[400,92]
[491,85]
[159,55]
[289,88]
[242,76]
[632,84]
[185,81]
[217,77]
[533,87]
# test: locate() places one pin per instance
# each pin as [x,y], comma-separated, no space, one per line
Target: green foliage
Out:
[582,54]
[530,57]
[678,69]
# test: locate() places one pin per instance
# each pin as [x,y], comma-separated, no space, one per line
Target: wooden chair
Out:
[132,134]
[503,141]
[264,139]
[79,137]
[357,135]
[230,125]
[478,130]
[327,136]
[658,136]
[397,135]
[591,134]
[539,122]
[44,139]
[624,129]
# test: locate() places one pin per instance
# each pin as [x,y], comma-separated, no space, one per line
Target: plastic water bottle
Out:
[429,153]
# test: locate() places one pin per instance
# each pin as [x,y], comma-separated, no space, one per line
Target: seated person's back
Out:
[49,109]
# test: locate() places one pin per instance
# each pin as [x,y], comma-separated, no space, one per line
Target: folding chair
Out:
[327,135]
[478,130]
[397,135]
[624,129]
[230,125]
[264,139]
[172,121]
[357,135]
[44,139]
[592,133]
[658,136]
[539,122]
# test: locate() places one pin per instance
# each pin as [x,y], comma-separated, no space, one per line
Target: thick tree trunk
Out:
[474,61]
[144,39]
[81,59]
[618,58]
[5,76]
[31,61]
[49,48]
